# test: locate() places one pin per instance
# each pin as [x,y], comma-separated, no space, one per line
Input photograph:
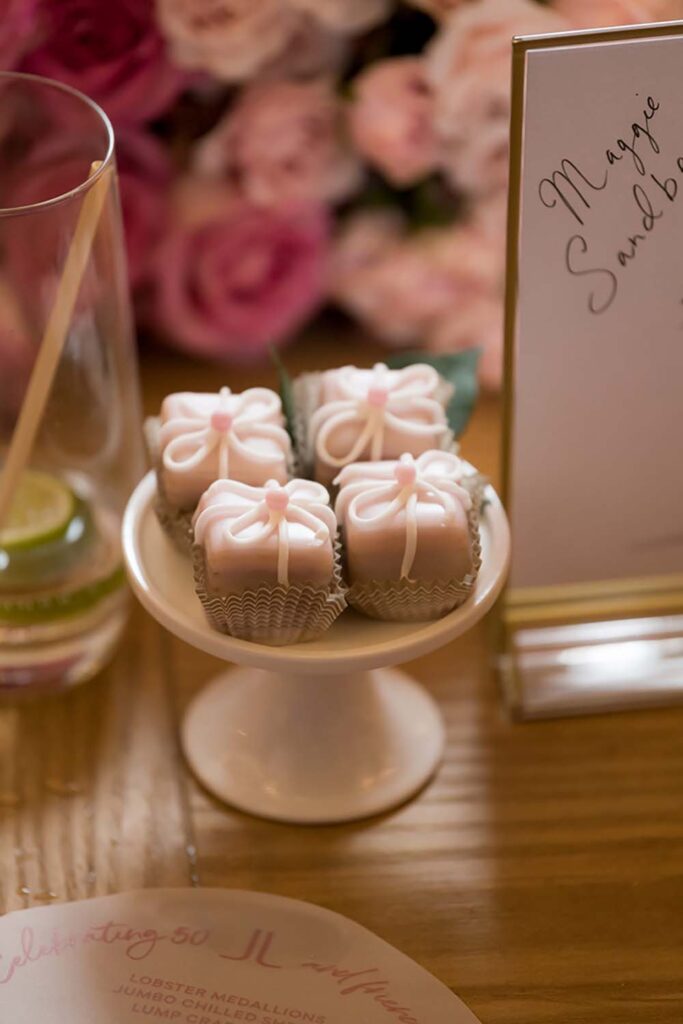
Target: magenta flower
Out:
[391,119]
[17,31]
[231,278]
[112,52]
[468,67]
[283,142]
[598,13]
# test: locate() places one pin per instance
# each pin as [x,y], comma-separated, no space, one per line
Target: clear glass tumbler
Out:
[63,288]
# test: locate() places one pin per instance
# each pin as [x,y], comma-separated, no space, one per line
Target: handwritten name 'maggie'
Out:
[556,187]
[573,189]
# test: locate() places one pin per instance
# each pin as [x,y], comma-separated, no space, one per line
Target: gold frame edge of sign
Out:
[525,606]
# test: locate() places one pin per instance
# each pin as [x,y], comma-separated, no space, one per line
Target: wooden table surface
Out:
[540,875]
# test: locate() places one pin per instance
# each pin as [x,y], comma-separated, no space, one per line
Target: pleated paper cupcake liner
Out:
[423,600]
[176,523]
[274,614]
[306,391]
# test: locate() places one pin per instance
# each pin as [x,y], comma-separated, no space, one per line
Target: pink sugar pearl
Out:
[405,473]
[277,500]
[221,421]
[377,396]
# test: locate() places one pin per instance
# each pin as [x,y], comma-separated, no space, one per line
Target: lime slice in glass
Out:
[47,534]
[35,610]
[41,510]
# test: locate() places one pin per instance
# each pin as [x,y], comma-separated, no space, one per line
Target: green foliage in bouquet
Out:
[286,391]
[429,204]
[460,370]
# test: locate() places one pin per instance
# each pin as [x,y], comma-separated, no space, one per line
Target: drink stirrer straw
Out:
[51,347]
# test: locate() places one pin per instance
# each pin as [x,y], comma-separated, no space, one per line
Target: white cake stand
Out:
[317,732]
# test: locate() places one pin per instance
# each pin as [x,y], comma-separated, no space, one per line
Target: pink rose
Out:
[391,119]
[365,239]
[232,279]
[439,9]
[312,50]
[604,13]
[402,286]
[488,219]
[232,39]
[490,216]
[282,142]
[477,322]
[110,51]
[144,180]
[468,66]
[346,15]
[17,28]
[374,276]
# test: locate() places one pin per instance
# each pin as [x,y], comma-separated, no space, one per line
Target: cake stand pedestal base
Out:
[315,732]
[313,748]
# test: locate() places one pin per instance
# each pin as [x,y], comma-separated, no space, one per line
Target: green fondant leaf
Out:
[286,390]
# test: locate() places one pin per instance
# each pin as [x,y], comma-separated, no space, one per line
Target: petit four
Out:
[207,437]
[271,534]
[266,561]
[376,414]
[409,533]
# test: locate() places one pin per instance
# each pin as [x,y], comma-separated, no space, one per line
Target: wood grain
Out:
[540,875]
[92,794]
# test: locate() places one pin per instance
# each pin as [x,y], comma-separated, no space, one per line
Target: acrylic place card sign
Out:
[209,956]
[594,335]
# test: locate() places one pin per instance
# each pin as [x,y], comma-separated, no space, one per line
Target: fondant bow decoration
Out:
[397,400]
[269,510]
[229,429]
[433,477]
[422,380]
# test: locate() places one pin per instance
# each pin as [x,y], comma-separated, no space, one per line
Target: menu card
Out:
[596,308]
[209,956]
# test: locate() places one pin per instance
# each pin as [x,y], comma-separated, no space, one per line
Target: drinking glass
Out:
[62,592]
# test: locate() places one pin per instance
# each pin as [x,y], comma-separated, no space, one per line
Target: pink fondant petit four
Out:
[406,519]
[375,414]
[206,437]
[276,535]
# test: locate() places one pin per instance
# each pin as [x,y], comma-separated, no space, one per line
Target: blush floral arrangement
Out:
[276,156]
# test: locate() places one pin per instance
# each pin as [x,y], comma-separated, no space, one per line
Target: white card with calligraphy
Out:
[209,956]
[596,308]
